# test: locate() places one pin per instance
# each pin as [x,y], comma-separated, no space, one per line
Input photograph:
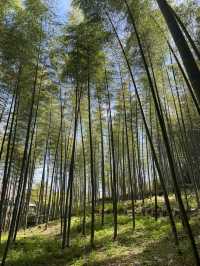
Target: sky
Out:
[63,7]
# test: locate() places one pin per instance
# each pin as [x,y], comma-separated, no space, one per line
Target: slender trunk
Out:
[5,181]
[183,47]
[114,196]
[91,165]
[24,159]
[67,213]
[129,163]
[102,164]
[84,176]
[173,225]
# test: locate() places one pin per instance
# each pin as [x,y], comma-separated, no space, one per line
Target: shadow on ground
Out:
[150,244]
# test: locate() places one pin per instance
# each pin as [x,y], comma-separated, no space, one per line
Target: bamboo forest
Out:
[99,132]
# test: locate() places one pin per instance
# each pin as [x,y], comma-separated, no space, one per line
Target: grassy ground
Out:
[150,244]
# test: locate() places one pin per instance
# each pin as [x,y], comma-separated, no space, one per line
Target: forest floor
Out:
[150,244]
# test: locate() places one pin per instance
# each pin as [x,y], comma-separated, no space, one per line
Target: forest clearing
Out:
[99,132]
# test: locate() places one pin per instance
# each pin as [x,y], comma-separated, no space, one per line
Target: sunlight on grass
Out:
[150,243]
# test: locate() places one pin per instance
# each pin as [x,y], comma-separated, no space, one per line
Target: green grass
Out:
[150,244]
